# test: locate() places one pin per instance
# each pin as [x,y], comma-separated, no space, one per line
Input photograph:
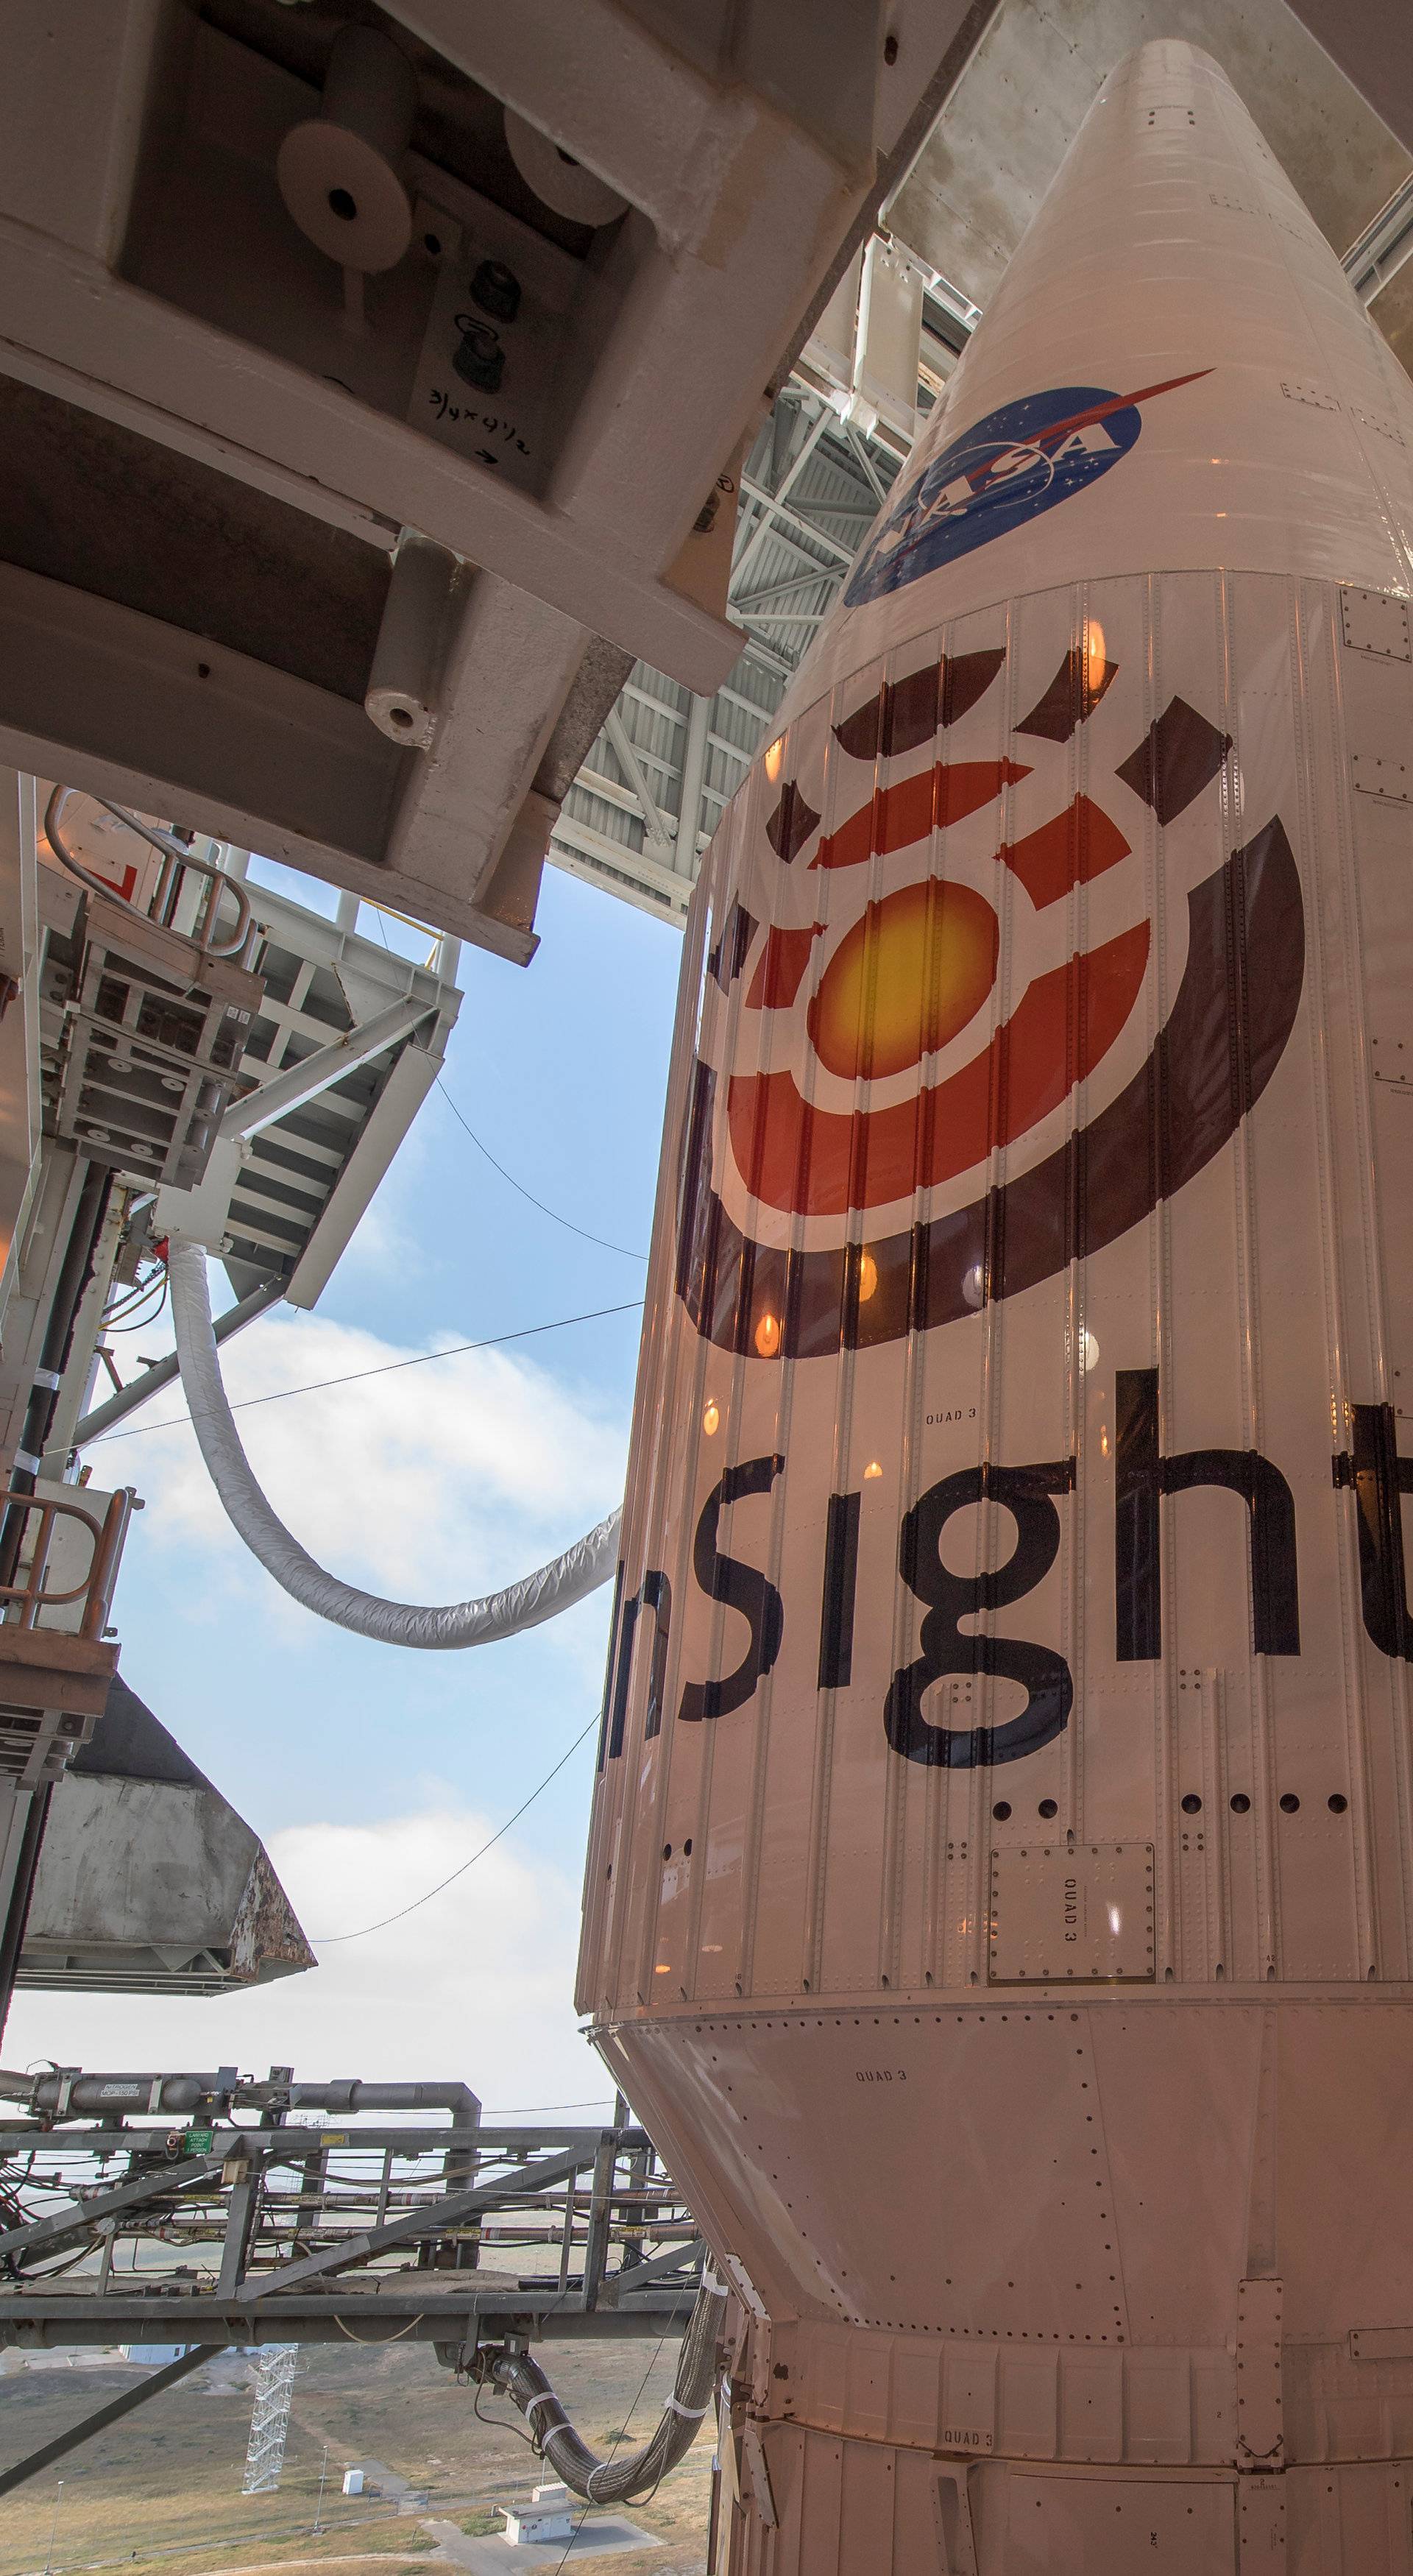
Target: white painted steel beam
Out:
[659,838]
[164,305]
[303,1082]
[1384,246]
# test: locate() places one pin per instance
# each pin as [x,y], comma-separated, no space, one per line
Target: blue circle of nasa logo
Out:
[1020,460]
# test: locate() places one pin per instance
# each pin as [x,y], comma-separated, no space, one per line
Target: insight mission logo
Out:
[907,992]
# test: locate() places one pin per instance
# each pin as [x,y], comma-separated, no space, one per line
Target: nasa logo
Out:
[1006,469]
[869,1041]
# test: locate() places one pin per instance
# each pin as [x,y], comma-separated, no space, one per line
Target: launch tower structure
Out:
[1000,1894]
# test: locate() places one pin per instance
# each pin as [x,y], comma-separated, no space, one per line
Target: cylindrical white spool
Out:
[560,182]
[401,696]
[337,171]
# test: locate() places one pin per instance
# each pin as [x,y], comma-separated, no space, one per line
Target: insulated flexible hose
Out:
[554,1587]
[638,2472]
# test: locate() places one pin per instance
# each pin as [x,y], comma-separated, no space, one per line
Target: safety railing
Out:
[27,1597]
[440,2232]
[164,903]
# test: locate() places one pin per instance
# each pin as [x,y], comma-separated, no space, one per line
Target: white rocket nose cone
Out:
[1173,372]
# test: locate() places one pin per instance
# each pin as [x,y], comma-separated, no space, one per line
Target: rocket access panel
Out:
[1000,1893]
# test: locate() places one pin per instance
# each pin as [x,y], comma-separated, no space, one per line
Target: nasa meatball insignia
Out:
[1005,469]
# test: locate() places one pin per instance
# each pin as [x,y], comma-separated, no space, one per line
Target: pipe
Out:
[621,2481]
[75,1272]
[351,2094]
[536,1597]
[108,2093]
[183,2092]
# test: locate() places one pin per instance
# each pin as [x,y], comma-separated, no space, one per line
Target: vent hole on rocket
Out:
[1338,1804]
[687,1848]
[1290,1804]
[1048,1807]
[1001,1810]
[1191,1805]
[667,1851]
[1240,1804]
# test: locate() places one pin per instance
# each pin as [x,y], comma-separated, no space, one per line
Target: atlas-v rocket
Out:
[1000,1892]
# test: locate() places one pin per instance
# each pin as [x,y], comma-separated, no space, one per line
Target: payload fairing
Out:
[1000,1893]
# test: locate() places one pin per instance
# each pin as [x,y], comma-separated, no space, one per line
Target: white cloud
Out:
[431,1483]
[477,1984]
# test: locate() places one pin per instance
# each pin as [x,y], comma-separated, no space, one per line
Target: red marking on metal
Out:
[781,967]
[1069,850]
[898,815]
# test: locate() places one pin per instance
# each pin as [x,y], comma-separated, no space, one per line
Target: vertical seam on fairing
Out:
[1309,864]
[1360,1075]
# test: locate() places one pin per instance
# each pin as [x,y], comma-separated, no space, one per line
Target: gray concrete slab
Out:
[380,2480]
[599,2536]
[1035,74]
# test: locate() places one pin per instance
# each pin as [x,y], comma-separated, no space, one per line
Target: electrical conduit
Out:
[542,1595]
[637,2472]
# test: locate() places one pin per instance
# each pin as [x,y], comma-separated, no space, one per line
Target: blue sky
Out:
[370,1771]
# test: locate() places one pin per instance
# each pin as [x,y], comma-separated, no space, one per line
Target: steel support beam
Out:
[42,2235]
[659,834]
[429,2313]
[430,2219]
[303,1082]
[88,2425]
[1383,247]
[694,761]
[105,1417]
[771,501]
[622,2288]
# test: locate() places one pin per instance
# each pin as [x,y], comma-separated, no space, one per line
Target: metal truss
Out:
[269,2418]
[1384,246]
[666,763]
[288,2232]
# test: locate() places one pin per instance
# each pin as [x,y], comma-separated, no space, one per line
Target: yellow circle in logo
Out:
[904,980]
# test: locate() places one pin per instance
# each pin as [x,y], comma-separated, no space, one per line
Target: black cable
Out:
[565,1221]
[137,1296]
[553,1213]
[500,2423]
[141,1322]
[329,1938]
[385,1368]
[522,2110]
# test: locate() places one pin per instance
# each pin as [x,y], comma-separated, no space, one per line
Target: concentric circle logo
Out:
[944,985]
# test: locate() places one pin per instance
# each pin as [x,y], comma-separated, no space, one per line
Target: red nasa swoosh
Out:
[1102,411]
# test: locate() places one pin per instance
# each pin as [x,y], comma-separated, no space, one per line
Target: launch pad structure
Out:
[915,494]
[210,2211]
